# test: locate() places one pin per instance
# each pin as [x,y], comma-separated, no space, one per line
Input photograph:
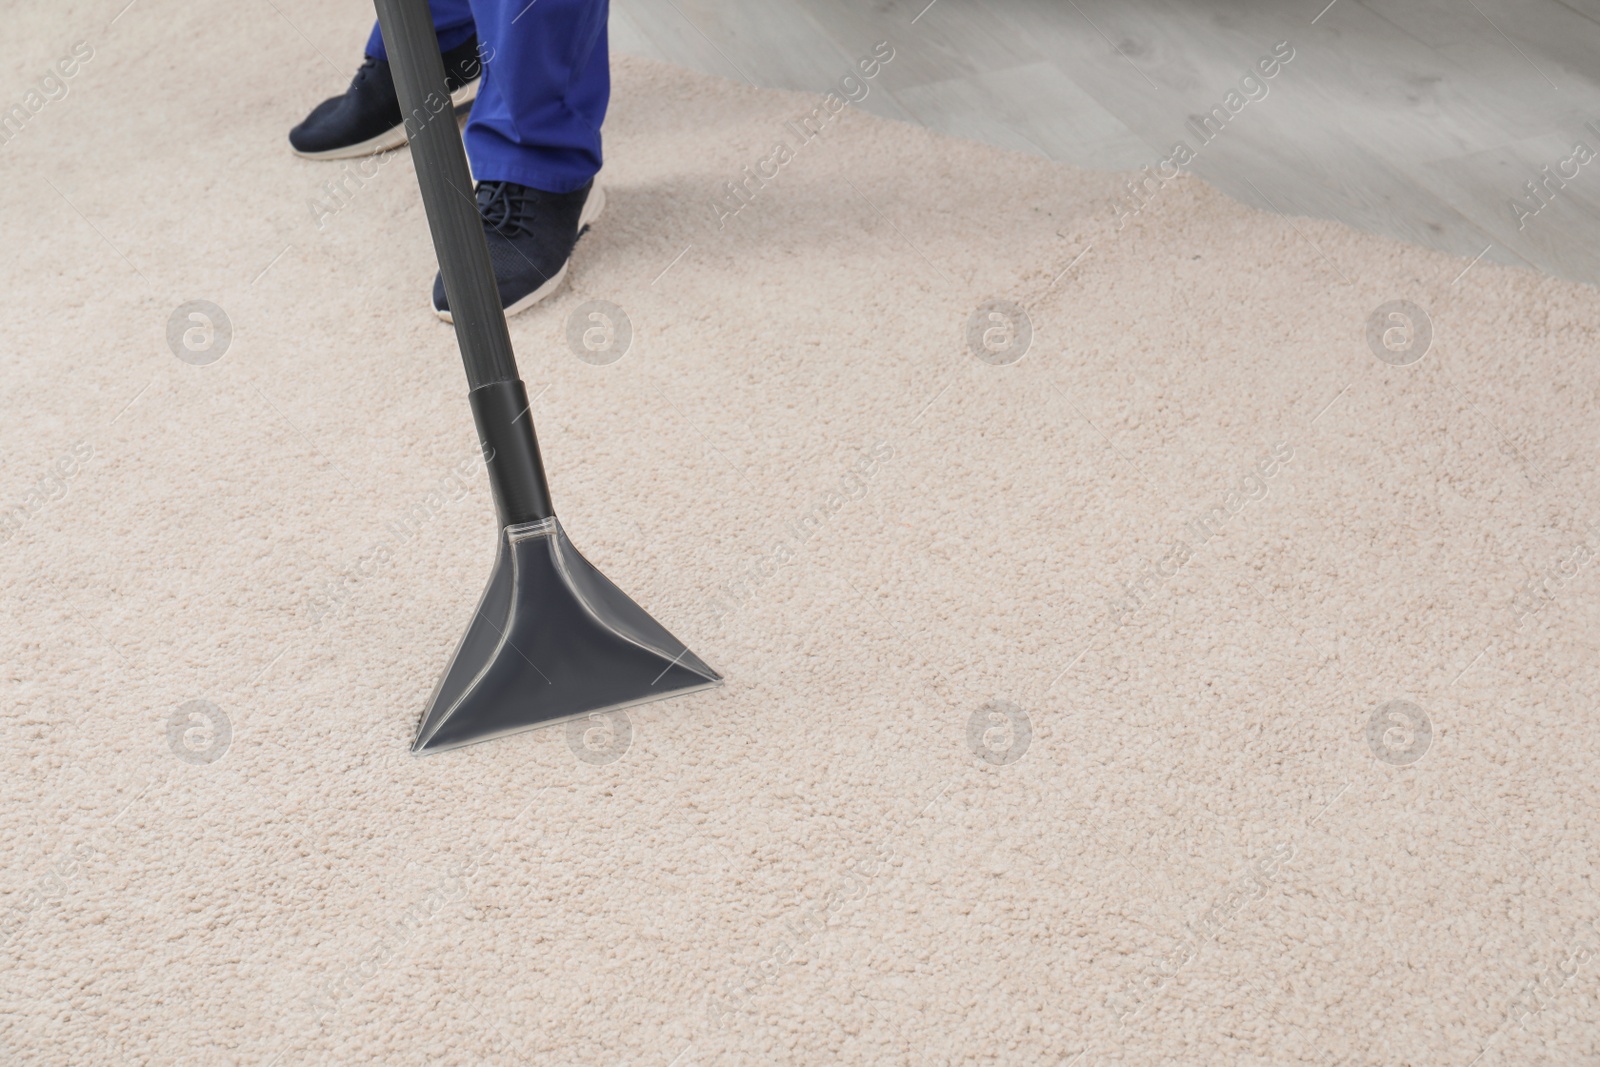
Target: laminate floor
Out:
[1417,119]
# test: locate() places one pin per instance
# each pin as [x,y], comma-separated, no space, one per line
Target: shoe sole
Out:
[592,207]
[391,138]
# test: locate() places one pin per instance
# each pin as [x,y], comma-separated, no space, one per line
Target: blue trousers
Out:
[546,82]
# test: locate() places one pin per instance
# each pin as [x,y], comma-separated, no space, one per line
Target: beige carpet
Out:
[999,775]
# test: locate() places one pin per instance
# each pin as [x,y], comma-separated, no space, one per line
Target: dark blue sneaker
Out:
[366,119]
[531,234]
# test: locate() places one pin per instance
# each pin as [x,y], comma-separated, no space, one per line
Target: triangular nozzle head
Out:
[553,639]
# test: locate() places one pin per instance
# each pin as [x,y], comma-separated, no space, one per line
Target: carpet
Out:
[1155,630]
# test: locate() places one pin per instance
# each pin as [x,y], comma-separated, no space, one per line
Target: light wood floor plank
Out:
[1417,119]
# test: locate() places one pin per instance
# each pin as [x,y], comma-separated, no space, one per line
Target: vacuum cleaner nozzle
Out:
[553,639]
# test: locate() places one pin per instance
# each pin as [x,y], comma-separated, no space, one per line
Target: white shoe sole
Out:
[591,211]
[389,139]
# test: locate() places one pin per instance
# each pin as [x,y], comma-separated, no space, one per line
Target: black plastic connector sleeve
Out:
[516,473]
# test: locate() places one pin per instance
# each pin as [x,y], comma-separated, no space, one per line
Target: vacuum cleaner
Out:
[552,639]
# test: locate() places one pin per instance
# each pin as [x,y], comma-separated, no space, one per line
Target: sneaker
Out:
[366,119]
[531,234]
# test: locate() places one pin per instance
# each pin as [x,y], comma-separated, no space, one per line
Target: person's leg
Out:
[546,83]
[452,21]
[534,139]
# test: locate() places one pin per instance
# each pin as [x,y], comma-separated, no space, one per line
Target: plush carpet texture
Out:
[1150,638]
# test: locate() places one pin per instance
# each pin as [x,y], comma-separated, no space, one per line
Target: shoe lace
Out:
[508,212]
[368,67]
